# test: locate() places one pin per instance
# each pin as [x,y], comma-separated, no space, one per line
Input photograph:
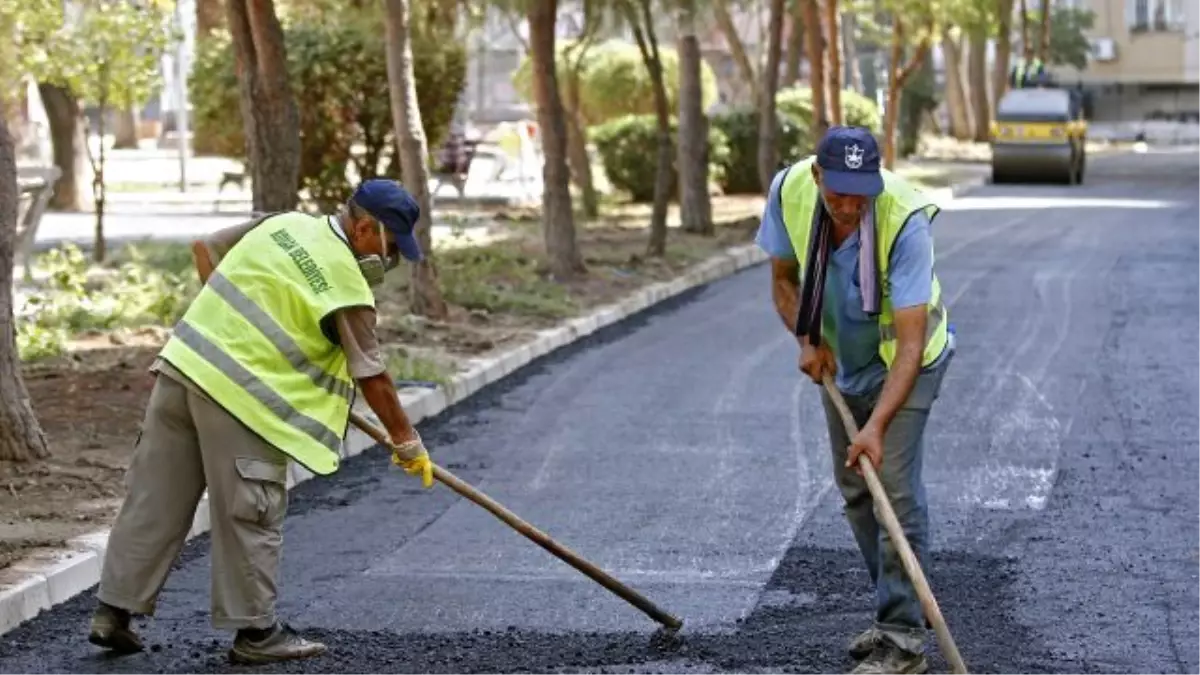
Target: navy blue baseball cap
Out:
[849,161]
[389,203]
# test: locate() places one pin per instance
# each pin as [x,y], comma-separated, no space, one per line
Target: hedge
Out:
[796,139]
[628,148]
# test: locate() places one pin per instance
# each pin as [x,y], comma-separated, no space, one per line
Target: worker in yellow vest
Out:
[1030,74]
[852,278]
[260,370]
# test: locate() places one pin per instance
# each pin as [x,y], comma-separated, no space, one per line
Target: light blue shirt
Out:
[854,335]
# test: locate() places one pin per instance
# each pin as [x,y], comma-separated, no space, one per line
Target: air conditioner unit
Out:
[1102,49]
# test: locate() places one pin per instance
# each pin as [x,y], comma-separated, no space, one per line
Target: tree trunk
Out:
[581,165]
[647,42]
[956,94]
[1044,46]
[835,62]
[977,72]
[1026,45]
[69,146]
[816,68]
[21,437]
[269,111]
[126,136]
[795,46]
[558,222]
[850,40]
[577,153]
[897,76]
[1003,50]
[208,18]
[695,207]
[768,131]
[99,251]
[736,47]
[425,298]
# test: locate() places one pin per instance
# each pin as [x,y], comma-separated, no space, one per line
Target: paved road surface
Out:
[682,452]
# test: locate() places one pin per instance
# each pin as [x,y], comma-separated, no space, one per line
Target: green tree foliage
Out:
[613,81]
[625,143]
[339,72]
[107,52]
[1068,35]
[25,27]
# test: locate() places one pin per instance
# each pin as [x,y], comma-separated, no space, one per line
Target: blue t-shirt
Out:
[852,334]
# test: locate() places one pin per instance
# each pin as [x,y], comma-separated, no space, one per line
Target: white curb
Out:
[78,568]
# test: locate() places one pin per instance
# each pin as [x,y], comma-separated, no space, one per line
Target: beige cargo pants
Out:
[188,443]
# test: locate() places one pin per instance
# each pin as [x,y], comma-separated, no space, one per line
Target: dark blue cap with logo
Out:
[849,161]
[389,203]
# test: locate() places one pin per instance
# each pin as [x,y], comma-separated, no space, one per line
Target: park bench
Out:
[453,163]
[35,186]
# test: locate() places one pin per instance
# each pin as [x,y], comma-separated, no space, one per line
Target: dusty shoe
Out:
[860,647]
[278,644]
[888,658]
[110,629]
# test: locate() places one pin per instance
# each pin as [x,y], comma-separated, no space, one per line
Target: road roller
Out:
[1039,135]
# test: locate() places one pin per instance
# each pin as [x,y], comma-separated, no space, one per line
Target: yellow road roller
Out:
[1040,135]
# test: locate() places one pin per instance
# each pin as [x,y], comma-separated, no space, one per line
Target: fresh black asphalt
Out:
[682,452]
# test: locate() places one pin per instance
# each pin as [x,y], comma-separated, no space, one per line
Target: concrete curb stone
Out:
[78,568]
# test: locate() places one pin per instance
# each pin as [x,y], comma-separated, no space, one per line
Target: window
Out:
[1159,16]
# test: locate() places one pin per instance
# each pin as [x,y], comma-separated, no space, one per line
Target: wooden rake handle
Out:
[532,533]
[884,508]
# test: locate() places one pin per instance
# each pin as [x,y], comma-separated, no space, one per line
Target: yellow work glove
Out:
[414,459]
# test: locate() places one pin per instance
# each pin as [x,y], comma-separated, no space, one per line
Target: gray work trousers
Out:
[899,615]
[188,443]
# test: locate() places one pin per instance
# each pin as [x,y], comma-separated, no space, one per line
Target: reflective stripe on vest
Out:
[256,387]
[253,341]
[277,335]
[799,198]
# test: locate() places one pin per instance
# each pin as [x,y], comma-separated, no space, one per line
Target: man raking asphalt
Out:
[262,370]
[853,279]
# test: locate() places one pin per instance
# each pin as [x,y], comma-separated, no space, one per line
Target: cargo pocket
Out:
[262,496]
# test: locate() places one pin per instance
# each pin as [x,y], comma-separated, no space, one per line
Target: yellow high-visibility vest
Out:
[899,200]
[259,338]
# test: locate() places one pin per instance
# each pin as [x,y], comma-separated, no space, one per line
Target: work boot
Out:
[886,657]
[110,629]
[279,643]
[860,647]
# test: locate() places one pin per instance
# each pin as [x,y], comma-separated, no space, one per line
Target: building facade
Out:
[1144,65]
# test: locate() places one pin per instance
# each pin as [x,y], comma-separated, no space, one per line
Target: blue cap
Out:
[389,203]
[849,161]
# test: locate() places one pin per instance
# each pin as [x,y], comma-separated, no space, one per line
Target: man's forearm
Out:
[786,294]
[381,396]
[896,387]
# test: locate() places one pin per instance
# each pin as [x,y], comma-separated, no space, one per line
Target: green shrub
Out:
[612,81]
[857,110]
[78,297]
[628,148]
[739,175]
[338,74]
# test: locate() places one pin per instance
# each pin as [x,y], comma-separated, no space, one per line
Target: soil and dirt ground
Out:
[90,401]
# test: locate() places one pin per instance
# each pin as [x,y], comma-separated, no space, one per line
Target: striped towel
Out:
[812,292]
